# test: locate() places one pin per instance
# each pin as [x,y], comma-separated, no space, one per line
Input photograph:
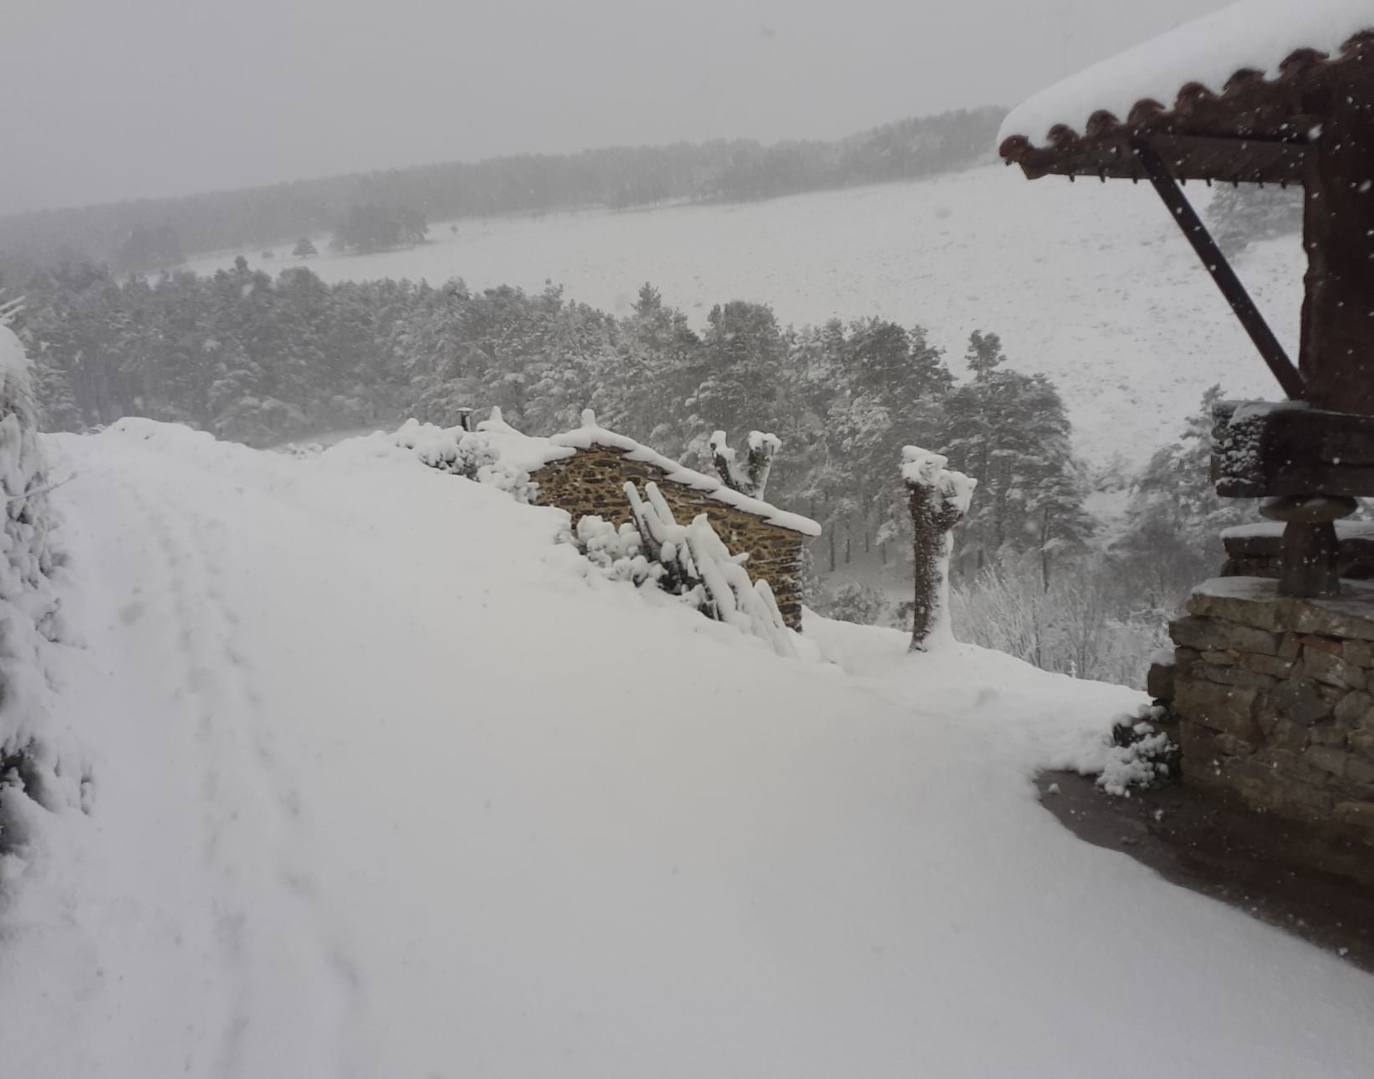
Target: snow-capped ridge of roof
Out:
[1220,54]
[592,434]
[527,453]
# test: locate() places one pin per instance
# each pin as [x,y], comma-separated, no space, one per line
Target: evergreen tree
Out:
[1173,530]
[1011,433]
[738,369]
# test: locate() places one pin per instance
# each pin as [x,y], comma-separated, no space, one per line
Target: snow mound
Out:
[391,783]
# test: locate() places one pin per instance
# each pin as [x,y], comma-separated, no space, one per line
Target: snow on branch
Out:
[9,309]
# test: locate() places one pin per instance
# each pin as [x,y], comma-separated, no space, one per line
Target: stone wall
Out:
[1274,699]
[593,482]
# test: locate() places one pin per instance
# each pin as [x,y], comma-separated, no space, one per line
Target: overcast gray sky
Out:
[106,99]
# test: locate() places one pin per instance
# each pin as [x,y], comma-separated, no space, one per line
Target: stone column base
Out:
[1274,698]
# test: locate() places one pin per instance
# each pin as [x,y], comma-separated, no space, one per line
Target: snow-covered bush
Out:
[464,453]
[617,552]
[1141,756]
[858,603]
[39,769]
[1076,626]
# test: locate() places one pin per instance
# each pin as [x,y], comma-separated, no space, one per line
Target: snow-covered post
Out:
[752,479]
[938,498]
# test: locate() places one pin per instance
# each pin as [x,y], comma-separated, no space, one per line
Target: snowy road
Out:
[386,788]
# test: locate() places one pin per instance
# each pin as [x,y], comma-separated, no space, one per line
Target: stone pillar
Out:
[938,499]
[1274,698]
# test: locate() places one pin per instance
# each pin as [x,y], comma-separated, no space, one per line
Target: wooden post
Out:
[1310,549]
[1225,277]
[1337,351]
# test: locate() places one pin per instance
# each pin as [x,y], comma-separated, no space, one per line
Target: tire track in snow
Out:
[253,821]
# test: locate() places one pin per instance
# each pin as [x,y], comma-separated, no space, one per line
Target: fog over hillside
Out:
[1090,284]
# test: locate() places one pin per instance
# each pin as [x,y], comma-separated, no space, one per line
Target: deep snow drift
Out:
[386,784]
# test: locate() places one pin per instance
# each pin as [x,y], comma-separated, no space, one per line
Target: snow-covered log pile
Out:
[939,498]
[697,564]
[39,768]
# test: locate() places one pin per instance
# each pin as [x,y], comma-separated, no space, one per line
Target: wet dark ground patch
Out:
[1282,873]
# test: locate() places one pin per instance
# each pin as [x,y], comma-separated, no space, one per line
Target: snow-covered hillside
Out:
[1090,283]
[385,785]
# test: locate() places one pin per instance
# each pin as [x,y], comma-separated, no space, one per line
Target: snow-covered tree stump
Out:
[751,478]
[938,498]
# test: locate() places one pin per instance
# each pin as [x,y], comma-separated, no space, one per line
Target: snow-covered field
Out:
[385,785]
[1090,283]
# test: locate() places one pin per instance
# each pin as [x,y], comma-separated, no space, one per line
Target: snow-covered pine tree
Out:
[1012,432]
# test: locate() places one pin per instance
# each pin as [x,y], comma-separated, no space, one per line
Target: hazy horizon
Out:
[159,98]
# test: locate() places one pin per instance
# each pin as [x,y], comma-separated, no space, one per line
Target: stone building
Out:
[585,471]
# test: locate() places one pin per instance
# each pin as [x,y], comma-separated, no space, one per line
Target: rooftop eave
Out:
[1234,159]
[1256,130]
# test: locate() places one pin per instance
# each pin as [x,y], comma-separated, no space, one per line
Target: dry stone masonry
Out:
[1274,698]
[592,481]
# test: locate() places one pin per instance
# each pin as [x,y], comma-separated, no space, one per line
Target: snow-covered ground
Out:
[1090,283]
[386,785]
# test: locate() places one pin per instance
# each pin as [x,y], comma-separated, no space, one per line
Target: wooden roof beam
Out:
[1181,210]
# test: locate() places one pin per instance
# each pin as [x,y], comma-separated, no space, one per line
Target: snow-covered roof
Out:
[1238,71]
[528,453]
[531,454]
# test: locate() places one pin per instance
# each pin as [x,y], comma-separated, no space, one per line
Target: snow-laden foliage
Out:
[1241,216]
[618,553]
[40,768]
[1087,624]
[464,453]
[854,602]
[1141,755]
